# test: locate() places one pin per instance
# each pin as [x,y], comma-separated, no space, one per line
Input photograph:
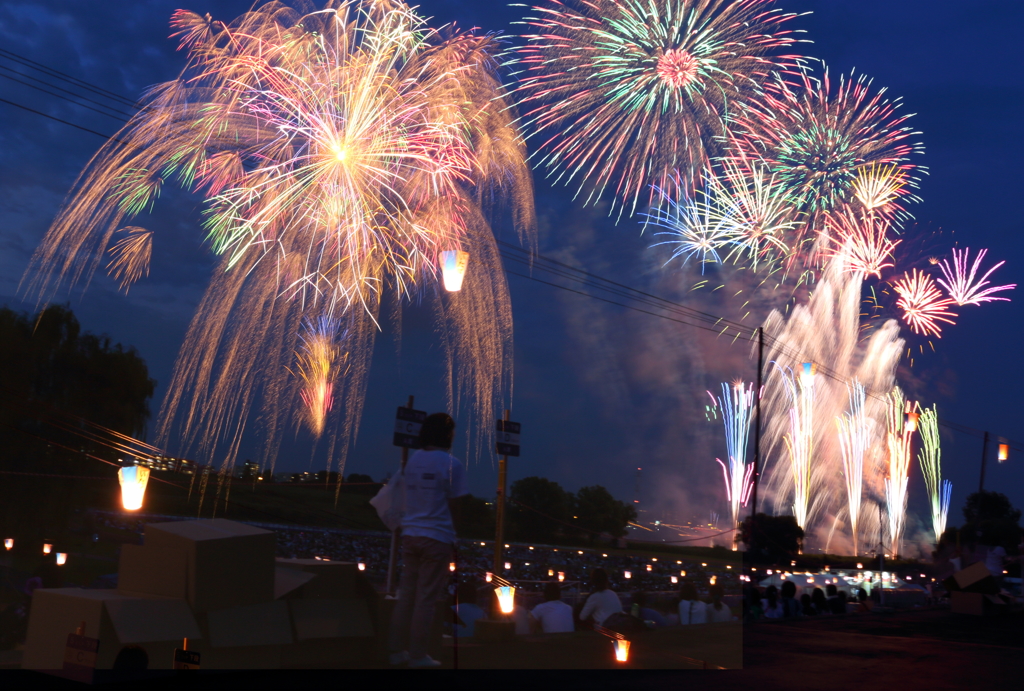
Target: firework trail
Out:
[901,421]
[922,303]
[800,438]
[816,140]
[854,437]
[626,94]
[736,404]
[827,330]
[317,365]
[340,152]
[930,458]
[961,284]
[129,256]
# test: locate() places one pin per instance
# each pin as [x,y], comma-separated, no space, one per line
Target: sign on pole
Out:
[186,659]
[80,657]
[407,427]
[508,438]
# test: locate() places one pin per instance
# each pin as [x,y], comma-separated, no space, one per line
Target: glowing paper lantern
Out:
[451,566]
[561,576]
[488,576]
[1004,452]
[627,574]
[9,544]
[453,269]
[61,558]
[506,598]
[621,649]
[47,548]
[508,565]
[859,565]
[648,567]
[362,566]
[674,579]
[551,572]
[683,574]
[133,481]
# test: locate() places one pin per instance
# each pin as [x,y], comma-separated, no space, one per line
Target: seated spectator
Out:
[770,604]
[131,658]
[552,615]
[467,610]
[691,609]
[806,607]
[717,611]
[641,611]
[863,603]
[790,605]
[602,601]
[835,605]
[819,602]
[752,603]
[842,602]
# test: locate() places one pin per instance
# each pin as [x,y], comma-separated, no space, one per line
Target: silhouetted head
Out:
[552,591]
[438,431]
[132,657]
[599,579]
[789,589]
[466,593]
[688,592]
[831,589]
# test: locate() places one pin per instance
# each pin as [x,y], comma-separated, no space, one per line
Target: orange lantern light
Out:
[9,544]
[621,649]
[133,479]
[362,566]
[506,598]
[451,566]
[674,579]
[648,567]
[551,572]
[47,548]
[488,576]
[682,573]
[561,576]
[62,558]
[508,565]
[1004,452]
[453,269]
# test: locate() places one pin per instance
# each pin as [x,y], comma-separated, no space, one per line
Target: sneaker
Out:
[401,658]
[425,662]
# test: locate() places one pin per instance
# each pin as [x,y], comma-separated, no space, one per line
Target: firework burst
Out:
[878,186]
[695,227]
[860,243]
[922,303]
[130,256]
[961,284]
[817,139]
[627,94]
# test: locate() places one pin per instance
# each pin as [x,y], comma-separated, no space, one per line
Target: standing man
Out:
[433,480]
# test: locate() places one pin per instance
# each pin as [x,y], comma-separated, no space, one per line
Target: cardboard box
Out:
[227,564]
[266,623]
[144,571]
[343,618]
[333,579]
[287,581]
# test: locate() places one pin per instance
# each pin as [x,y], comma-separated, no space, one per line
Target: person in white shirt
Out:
[552,615]
[691,609]
[602,602]
[718,611]
[433,478]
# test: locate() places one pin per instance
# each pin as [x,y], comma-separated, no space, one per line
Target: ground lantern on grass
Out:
[133,481]
[62,558]
[621,649]
[506,598]
[453,269]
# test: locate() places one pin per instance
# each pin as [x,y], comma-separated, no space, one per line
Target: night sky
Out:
[599,390]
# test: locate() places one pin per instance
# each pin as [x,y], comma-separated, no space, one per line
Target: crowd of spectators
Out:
[771,603]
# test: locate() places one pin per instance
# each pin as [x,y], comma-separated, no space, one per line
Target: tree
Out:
[596,511]
[538,508]
[990,520]
[62,393]
[360,484]
[474,518]
[989,506]
[771,539]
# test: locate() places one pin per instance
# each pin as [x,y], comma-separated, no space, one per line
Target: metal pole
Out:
[499,515]
[757,430]
[984,455]
[395,536]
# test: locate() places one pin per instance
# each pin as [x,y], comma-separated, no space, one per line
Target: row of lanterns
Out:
[62,557]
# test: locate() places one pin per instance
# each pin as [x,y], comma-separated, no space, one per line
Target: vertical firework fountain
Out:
[901,421]
[736,403]
[930,458]
[800,438]
[853,441]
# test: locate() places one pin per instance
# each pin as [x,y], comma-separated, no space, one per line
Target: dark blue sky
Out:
[599,391]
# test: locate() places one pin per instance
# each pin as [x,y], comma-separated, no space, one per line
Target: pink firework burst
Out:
[677,67]
[961,284]
[922,303]
[860,242]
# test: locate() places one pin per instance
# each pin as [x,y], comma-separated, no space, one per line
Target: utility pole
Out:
[499,511]
[984,456]
[757,431]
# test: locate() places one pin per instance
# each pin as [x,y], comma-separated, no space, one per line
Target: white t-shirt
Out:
[602,604]
[692,612]
[431,479]
[554,616]
[717,616]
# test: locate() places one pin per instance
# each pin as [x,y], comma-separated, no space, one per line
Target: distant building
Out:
[167,463]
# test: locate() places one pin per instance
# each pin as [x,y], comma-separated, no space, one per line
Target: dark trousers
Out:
[424,574]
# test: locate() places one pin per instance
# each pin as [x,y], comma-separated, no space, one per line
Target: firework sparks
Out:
[922,303]
[697,227]
[736,404]
[900,423]
[627,94]
[878,185]
[340,152]
[930,458]
[860,243]
[130,256]
[317,366]
[800,438]
[853,445]
[751,199]
[961,283]
[816,140]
